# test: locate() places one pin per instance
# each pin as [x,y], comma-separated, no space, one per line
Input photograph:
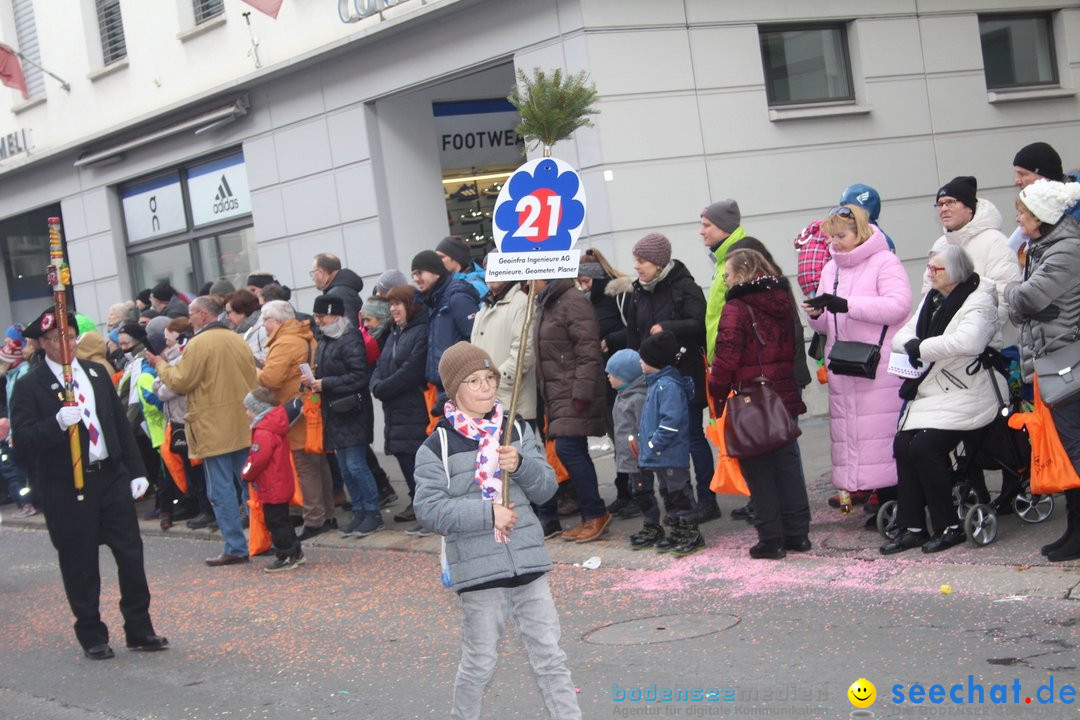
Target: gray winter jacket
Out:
[1047,304]
[626,414]
[455,509]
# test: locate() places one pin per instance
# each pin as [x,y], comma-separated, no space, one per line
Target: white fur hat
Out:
[1049,200]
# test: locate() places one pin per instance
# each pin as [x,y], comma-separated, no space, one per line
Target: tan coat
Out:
[92,347]
[216,371]
[497,329]
[291,344]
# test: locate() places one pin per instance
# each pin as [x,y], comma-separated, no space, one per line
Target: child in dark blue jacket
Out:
[664,440]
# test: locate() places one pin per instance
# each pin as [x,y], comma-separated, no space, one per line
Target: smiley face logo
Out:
[862,693]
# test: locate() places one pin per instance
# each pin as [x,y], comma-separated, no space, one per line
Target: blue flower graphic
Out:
[547,180]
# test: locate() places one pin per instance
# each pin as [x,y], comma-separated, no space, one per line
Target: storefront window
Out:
[25,244]
[171,263]
[231,255]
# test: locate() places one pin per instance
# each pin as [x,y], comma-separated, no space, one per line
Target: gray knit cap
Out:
[389,279]
[259,400]
[724,214]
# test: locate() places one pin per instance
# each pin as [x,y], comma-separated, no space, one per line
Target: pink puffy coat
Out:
[863,413]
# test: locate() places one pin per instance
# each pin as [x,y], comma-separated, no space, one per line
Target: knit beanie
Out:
[654,248]
[963,188]
[724,214]
[458,362]
[11,353]
[163,291]
[624,365]
[389,279]
[1040,159]
[135,331]
[1048,200]
[377,307]
[428,260]
[223,287]
[660,349]
[155,334]
[259,400]
[329,305]
[15,332]
[455,248]
[591,267]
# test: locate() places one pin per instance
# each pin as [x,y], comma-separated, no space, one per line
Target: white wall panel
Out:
[640,61]
[647,128]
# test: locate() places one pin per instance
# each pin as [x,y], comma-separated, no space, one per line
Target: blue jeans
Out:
[483,619]
[574,453]
[701,454]
[359,482]
[222,471]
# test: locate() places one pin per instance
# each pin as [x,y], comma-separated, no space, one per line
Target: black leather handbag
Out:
[856,359]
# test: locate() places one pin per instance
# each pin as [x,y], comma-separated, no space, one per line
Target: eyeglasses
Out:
[70,337]
[311,273]
[478,383]
[935,269]
[946,203]
[843,211]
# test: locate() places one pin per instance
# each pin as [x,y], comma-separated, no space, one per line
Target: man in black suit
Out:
[113,474]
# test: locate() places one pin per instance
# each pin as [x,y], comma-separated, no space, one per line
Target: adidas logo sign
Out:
[225,201]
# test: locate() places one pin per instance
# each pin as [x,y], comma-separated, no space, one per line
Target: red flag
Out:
[11,73]
[270,7]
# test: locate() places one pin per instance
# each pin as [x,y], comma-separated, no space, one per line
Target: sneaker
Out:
[418,530]
[647,537]
[311,532]
[200,521]
[691,542]
[350,528]
[552,528]
[406,515]
[27,510]
[387,497]
[372,523]
[285,563]
[465,192]
[493,189]
[857,498]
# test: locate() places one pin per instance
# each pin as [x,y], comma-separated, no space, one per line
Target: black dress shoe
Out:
[944,541]
[99,652]
[768,551]
[226,559]
[746,512]
[906,540]
[797,544]
[150,643]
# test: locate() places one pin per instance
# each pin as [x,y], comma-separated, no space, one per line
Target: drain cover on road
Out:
[660,628]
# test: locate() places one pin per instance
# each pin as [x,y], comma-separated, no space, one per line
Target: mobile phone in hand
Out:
[819,302]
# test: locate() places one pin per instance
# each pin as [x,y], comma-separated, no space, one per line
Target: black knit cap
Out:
[46,321]
[963,188]
[1041,159]
[455,248]
[135,331]
[163,291]
[428,260]
[329,305]
[660,350]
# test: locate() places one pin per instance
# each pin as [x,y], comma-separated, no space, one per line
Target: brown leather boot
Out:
[593,528]
[572,534]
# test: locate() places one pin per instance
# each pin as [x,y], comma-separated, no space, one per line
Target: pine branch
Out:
[552,107]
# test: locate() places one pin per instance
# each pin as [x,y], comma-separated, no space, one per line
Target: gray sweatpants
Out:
[483,618]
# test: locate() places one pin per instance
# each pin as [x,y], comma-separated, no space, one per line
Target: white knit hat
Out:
[1049,200]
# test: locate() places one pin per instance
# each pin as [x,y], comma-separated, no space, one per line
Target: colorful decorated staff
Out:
[540,210]
[59,277]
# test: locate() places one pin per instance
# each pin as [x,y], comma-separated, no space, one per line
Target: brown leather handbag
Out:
[757,420]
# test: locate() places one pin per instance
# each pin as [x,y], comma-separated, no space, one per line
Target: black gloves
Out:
[836,304]
[911,347]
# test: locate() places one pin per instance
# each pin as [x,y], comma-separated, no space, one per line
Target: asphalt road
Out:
[366,630]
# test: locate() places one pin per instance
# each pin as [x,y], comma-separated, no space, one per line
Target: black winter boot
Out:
[691,541]
[1068,547]
[674,537]
[1071,509]
[647,537]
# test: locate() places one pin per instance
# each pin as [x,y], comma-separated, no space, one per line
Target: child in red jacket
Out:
[269,468]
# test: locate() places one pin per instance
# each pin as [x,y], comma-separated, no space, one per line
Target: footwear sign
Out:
[537,219]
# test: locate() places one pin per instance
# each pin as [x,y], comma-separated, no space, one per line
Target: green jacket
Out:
[718,291]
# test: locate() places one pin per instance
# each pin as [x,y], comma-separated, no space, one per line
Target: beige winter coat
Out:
[497,329]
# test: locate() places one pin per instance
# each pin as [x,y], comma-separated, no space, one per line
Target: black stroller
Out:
[993,447]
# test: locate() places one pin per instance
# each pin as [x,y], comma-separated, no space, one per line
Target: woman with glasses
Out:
[863,296]
[495,555]
[955,322]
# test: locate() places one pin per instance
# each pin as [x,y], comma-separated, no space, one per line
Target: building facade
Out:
[194,139]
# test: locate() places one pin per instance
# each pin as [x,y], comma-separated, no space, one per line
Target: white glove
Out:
[68,415]
[138,487]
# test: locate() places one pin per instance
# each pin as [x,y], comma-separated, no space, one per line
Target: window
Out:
[207,9]
[806,64]
[24,241]
[111,27]
[26,36]
[1018,50]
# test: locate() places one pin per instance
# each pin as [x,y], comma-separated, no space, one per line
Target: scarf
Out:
[935,315]
[651,284]
[487,432]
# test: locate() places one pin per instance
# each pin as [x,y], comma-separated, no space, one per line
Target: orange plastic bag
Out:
[1051,469]
[297,496]
[313,436]
[258,535]
[173,462]
[727,478]
[431,394]
[561,473]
